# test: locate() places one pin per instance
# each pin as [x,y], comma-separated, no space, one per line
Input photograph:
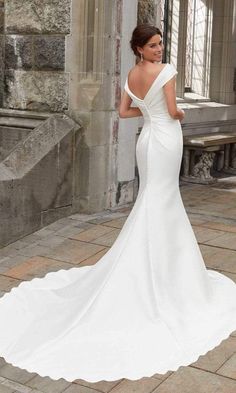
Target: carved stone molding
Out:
[147,11]
[227,95]
[85,49]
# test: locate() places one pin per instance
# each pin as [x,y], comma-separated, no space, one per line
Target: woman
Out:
[145,72]
[148,305]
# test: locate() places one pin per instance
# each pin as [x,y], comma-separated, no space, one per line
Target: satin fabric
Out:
[149,305]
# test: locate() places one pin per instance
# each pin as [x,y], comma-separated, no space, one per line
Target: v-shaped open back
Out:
[154,101]
[151,86]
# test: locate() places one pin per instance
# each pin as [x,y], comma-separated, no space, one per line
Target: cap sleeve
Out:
[166,76]
[126,88]
[126,85]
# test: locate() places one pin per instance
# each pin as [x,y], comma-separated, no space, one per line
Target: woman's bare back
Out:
[141,78]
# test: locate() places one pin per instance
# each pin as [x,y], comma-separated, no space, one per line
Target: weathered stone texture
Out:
[18,52]
[33,52]
[34,90]
[9,138]
[1,69]
[1,20]
[37,178]
[38,16]
[147,11]
[49,53]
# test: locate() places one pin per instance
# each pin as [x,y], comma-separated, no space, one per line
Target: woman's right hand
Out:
[181,114]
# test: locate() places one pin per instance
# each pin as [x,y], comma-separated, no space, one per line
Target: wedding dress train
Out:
[149,305]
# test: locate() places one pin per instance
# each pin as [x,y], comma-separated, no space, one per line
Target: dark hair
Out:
[141,35]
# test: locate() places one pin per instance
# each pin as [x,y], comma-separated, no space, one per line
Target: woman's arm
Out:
[170,95]
[125,110]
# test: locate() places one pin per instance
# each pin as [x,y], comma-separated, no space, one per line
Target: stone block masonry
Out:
[37,16]
[35,90]
[32,48]
[38,178]
[43,52]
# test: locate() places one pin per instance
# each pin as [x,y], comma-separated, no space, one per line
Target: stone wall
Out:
[64,56]
[1,49]
[38,177]
[33,41]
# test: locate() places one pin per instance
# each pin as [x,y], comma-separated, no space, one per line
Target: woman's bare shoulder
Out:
[151,69]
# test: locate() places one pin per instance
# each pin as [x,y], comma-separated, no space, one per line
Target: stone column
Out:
[227,156]
[233,156]
[217,47]
[178,42]
[93,62]
[223,58]
[127,127]
[228,61]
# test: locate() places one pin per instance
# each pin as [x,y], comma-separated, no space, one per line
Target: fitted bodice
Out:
[154,103]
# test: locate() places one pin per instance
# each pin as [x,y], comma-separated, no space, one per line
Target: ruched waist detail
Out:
[149,118]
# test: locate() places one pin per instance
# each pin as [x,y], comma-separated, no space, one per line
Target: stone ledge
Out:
[38,178]
[202,104]
[38,144]
[23,113]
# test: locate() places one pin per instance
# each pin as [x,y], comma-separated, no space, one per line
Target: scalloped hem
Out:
[28,283]
[132,375]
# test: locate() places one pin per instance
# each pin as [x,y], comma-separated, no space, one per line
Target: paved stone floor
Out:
[82,239]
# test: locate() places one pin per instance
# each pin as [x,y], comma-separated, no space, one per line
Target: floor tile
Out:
[229,368]
[222,260]
[192,380]
[73,251]
[204,234]
[108,239]
[7,283]
[227,240]
[215,358]
[93,233]
[101,386]
[47,385]
[15,373]
[142,385]
[74,388]
[94,258]
[36,267]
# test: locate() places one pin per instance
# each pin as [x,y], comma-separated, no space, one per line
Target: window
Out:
[198,47]
[189,43]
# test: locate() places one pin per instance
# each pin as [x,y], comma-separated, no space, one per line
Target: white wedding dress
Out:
[149,305]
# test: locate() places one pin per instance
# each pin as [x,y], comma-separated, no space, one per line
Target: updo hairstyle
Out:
[141,35]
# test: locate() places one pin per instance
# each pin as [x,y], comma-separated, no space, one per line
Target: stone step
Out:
[10,137]
[37,176]
[20,122]
[22,113]
[22,119]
